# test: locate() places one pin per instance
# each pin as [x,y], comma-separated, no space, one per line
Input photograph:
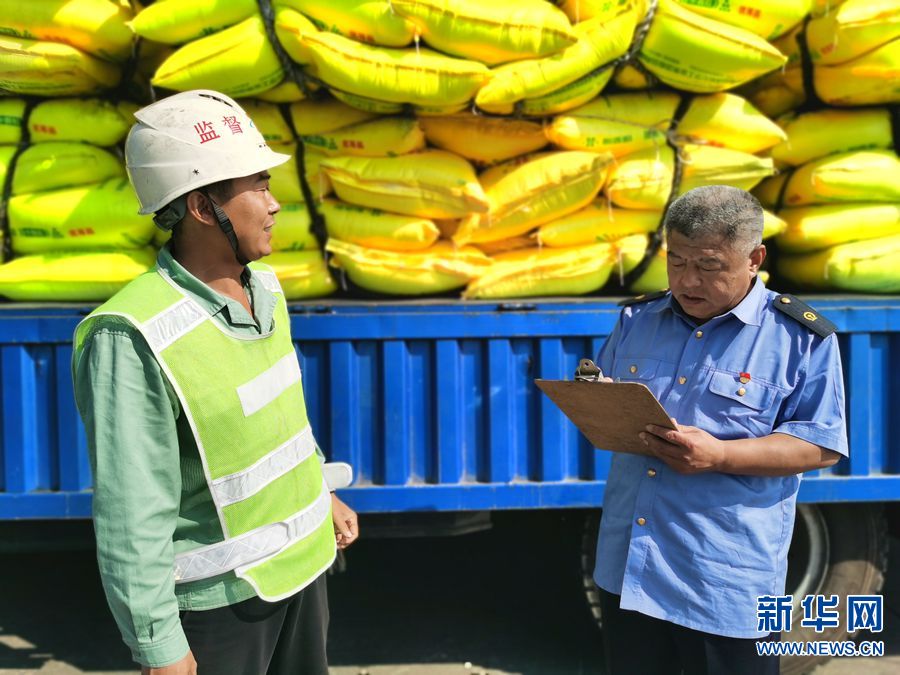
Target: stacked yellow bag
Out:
[836,199]
[716,138]
[62,47]
[69,206]
[854,53]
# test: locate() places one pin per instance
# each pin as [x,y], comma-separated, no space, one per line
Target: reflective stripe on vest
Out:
[215,559]
[246,410]
[239,486]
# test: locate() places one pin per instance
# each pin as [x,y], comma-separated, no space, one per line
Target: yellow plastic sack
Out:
[597,222]
[823,7]
[766,18]
[69,119]
[49,166]
[290,27]
[778,93]
[582,10]
[871,79]
[768,192]
[865,176]
[98,27]
[492,175]
[317,117]
[302,274]
[729,121]
[534,272]
[643,180]
[492,32]
[853,29]
[292,229]
[429,184]
[285,181]
[816,227]
[103,215]
[493,248]
[624,123]
[181,21]
[772,225]
[417,76]
[619,124]
[385,137]
[486,140]
[870,266]
[52,69]
[65,277]
[238,61]
[628,76]
[565,98]
[537,192]
[438,269]
[827,132]
[691,52]
[629,253]
[286,92]
[598,44]
[370,21]
[367,105]
[374,228]
[269,120]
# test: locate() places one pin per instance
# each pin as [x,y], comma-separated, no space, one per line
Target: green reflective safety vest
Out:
[244,401]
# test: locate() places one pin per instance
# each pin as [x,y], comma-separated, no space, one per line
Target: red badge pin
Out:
[745,378]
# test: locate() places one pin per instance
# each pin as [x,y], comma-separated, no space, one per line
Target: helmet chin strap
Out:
[228,229]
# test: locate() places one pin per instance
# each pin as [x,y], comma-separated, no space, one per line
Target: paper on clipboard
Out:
[609,414]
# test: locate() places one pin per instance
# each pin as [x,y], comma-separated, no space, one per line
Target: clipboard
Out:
[609,414]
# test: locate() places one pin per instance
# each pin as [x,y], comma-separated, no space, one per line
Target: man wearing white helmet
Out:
[212,510]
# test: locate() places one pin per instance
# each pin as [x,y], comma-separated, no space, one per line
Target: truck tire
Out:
[837,549]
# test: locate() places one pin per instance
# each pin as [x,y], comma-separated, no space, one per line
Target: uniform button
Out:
[651,472]
[641,521]
[682,379]
[698,334]
[632,369]
[741,391]
[785,301]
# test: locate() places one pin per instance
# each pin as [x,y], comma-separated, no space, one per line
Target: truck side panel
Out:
[432,403]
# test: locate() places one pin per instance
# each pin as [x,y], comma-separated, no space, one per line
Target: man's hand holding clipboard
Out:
[611,415]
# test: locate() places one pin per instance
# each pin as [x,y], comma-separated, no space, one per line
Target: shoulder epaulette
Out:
[800,311]
[646,297]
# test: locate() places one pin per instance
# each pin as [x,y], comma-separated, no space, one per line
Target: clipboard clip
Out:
[587,371]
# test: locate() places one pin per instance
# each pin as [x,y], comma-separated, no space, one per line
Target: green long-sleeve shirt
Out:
[151,500]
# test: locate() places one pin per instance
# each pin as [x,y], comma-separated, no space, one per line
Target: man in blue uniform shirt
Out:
[695,531]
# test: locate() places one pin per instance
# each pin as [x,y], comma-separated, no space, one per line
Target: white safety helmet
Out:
[190,140]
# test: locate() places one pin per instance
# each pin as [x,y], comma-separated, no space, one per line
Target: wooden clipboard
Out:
[609,414]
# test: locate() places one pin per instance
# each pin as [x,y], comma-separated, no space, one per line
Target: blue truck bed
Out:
[433,403]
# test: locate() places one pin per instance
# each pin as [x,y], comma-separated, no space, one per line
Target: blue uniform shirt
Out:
[711,543]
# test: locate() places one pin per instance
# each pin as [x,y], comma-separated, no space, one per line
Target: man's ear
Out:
[199,208]
[757,257]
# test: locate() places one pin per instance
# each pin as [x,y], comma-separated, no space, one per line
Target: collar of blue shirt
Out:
[749,310]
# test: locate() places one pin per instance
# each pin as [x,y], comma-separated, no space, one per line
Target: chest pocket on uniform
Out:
[635,369]
[755,395]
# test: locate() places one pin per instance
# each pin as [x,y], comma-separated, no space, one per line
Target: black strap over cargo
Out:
[655,240]
[812,102]
[316,219]
[293,73]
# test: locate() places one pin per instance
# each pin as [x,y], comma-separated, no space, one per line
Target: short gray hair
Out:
[718,210]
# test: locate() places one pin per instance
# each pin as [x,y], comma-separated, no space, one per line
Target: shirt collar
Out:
[215,303]
[749,310]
